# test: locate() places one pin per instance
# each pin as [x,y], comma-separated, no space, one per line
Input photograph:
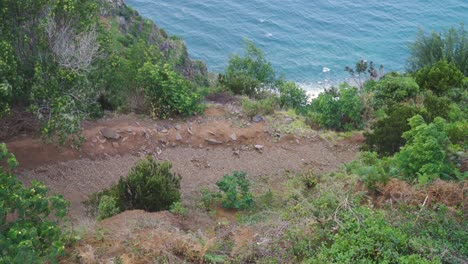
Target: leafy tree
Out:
[394,89]
[425,155]
[8,76]
[450,45]
[150,186]
[236,191]
[386,137]
[361,69]
[440,77]
[437,106]
[167,92]
[338,109]
[292,96]
[31,234]
[248,74]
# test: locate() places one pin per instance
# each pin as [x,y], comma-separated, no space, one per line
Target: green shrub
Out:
[394,89]
[167,92]
[338,109]
[458,133]
[260,107]
[365,236]
[209,198]
[450,45]
[437,106]
[374,171]
[425,155]
[291,96]
[249,74]
[149,186]
[386,137]
[236,191]
[107,207]
[439,78]
[33,234]
[178,209]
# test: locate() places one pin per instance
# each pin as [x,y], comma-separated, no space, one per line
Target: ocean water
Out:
[304,38]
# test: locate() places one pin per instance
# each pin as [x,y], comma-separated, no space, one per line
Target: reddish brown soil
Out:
[101,162]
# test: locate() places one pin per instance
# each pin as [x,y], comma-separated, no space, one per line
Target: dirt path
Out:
[202,150]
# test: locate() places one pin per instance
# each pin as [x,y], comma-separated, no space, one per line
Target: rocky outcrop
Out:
[132,25]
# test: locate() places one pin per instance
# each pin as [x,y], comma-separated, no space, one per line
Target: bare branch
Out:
[71,50]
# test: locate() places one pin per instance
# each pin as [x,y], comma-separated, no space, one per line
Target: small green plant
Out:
[209,198]
[236,191]
[179,209]
[374,171]
[309,179]
[265,106]
[107,207]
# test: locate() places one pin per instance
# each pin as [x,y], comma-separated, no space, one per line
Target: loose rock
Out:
[178,136]
[259,148]
[213,142]
[257,119]
[233,137]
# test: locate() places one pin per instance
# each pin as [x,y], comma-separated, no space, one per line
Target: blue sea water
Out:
[302,37]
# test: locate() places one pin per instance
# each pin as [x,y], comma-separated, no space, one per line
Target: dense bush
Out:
[249,74]
[425,155]
[149,186]
[450,45]
[292,96]
[338,109]
[236,191]
[394,89]
[31,234]
[440,77]
[386,136]
[167,92]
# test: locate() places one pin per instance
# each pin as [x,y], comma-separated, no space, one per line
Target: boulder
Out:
[109,133]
